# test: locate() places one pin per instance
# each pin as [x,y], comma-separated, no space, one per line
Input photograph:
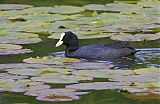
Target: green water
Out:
[47,47]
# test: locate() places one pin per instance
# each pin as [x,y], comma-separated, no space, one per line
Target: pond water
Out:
[148,57]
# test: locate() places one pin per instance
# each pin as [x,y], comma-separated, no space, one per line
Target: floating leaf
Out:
[36,10]
[84,35]
[98,85]
[137,37]
[18,38]
[58,78]
[67,9]
[6,49]
[51,60]
[102,73]
[22,65]
[29,72]
[98,7]
[150,4]
[146,71]
[90,65]
[40,17]
[11,77]
[14,6]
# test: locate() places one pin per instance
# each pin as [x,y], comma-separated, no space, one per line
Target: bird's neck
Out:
[72,48]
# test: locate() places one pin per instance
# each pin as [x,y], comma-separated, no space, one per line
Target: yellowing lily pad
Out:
[29,72]
[151,70]
[51,60]
[59,78]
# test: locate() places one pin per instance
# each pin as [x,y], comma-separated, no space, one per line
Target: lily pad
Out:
[51,60]
[135,90]
[58,78]
[28,72]
[56,94]
[18,38]
[98,85]
[147,71]
[67,9]
[137,37]
[102,73]
[40,17]
[90,65]
[36,10]
[13,77]
[98,7]
[14,86]
[14,6]
[84,35]
[23,65]
[6,49]
[150,4]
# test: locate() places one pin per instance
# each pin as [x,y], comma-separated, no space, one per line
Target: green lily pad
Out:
[23,65]
[98,7]
[40,17]
[151,70]
[18,38]
[51,60]
[67,9]
[28,72]
[56,94]
[137,37]
[6,49]
[17,35]
[58,78]
[112,7]
[12,77]
[147,11]
[134,78]
[21,41]
[49,91]
[90,65]
[149,4]
[14,6]
[10,13]
[84,35]
[122,7]
[14,86]
[98,85]
[135,90]
[102,73]
[38,87]
[36,10]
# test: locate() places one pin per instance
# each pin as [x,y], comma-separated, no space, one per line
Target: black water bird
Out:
[94,51]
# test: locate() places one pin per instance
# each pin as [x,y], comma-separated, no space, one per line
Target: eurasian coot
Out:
[94,51]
